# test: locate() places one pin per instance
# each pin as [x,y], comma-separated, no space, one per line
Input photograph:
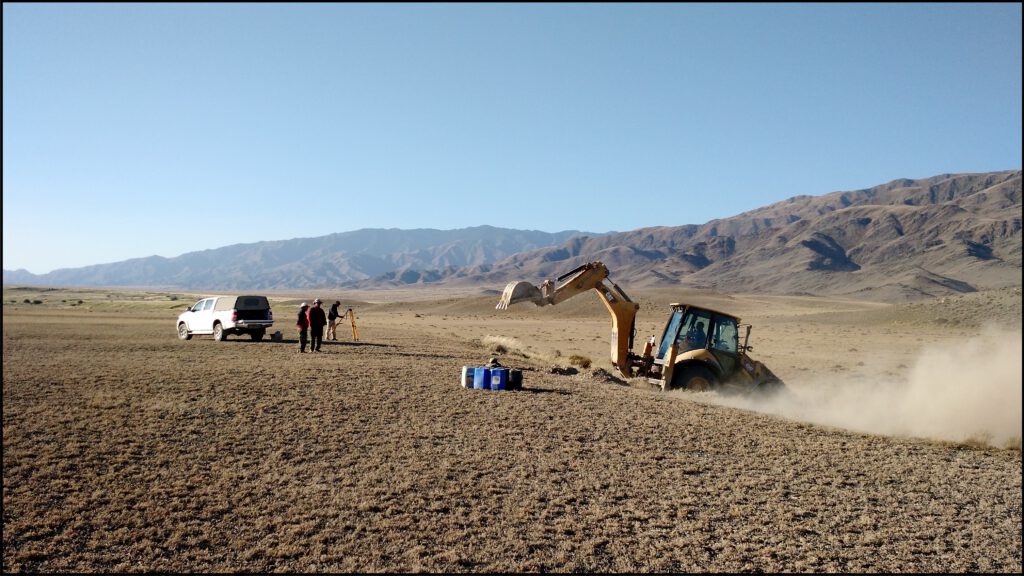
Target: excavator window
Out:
[671,329]
[693,329]
[694,332]
[726,336]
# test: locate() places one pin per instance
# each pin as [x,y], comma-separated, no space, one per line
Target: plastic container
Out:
[482,378]
[499,378]
[515,379]
[467,377]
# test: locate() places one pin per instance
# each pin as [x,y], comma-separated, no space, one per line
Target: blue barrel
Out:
[467,377]
[499,378]
[482,378]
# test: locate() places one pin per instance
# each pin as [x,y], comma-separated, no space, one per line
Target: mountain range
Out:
[907,239]
[333,260]
[902,240]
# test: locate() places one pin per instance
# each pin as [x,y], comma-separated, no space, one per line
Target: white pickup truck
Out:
[223,315]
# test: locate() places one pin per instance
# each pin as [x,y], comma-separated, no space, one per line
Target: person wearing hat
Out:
[317,321]
[302,323]
[334,317]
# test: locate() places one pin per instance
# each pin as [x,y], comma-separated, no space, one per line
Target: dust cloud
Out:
[967,393]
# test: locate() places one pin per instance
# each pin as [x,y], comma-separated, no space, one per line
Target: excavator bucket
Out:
[520,292]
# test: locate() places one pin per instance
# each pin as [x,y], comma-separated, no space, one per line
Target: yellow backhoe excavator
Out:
[700,348]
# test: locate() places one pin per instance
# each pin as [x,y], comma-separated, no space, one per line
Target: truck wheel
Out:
[183,333]
[257,336]
[697,378]
[218,332]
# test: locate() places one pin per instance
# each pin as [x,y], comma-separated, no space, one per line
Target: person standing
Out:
[317,321]
[334,318]
[302,323]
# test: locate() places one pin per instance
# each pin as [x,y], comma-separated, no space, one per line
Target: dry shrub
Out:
[578,360]
[503,345]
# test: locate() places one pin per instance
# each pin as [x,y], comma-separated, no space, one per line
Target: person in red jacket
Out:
[317,321]
[302,323]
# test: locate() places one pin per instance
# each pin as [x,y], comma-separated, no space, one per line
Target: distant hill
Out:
[907,239]
[331,260]
[903,240]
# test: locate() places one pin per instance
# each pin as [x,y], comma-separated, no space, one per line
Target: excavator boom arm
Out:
[590,276]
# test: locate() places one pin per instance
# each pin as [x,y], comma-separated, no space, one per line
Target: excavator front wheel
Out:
[696,378]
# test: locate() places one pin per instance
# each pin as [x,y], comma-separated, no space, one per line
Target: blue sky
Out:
[134,130]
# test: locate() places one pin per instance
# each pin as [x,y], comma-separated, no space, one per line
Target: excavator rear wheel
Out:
[696,378]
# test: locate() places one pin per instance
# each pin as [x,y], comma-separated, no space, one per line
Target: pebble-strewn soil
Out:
[126,449]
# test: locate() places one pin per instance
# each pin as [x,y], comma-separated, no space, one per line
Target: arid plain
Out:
[896,447]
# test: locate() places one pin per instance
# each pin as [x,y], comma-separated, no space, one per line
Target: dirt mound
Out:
[602,376]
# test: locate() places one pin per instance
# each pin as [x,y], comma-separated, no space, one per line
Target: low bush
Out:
[578,360]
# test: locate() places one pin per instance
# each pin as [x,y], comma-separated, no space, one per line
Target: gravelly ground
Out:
[125,449]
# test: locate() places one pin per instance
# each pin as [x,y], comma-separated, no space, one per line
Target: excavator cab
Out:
[688,327]
[699,349]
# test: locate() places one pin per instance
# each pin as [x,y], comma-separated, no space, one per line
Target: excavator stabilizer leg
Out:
[520,292]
